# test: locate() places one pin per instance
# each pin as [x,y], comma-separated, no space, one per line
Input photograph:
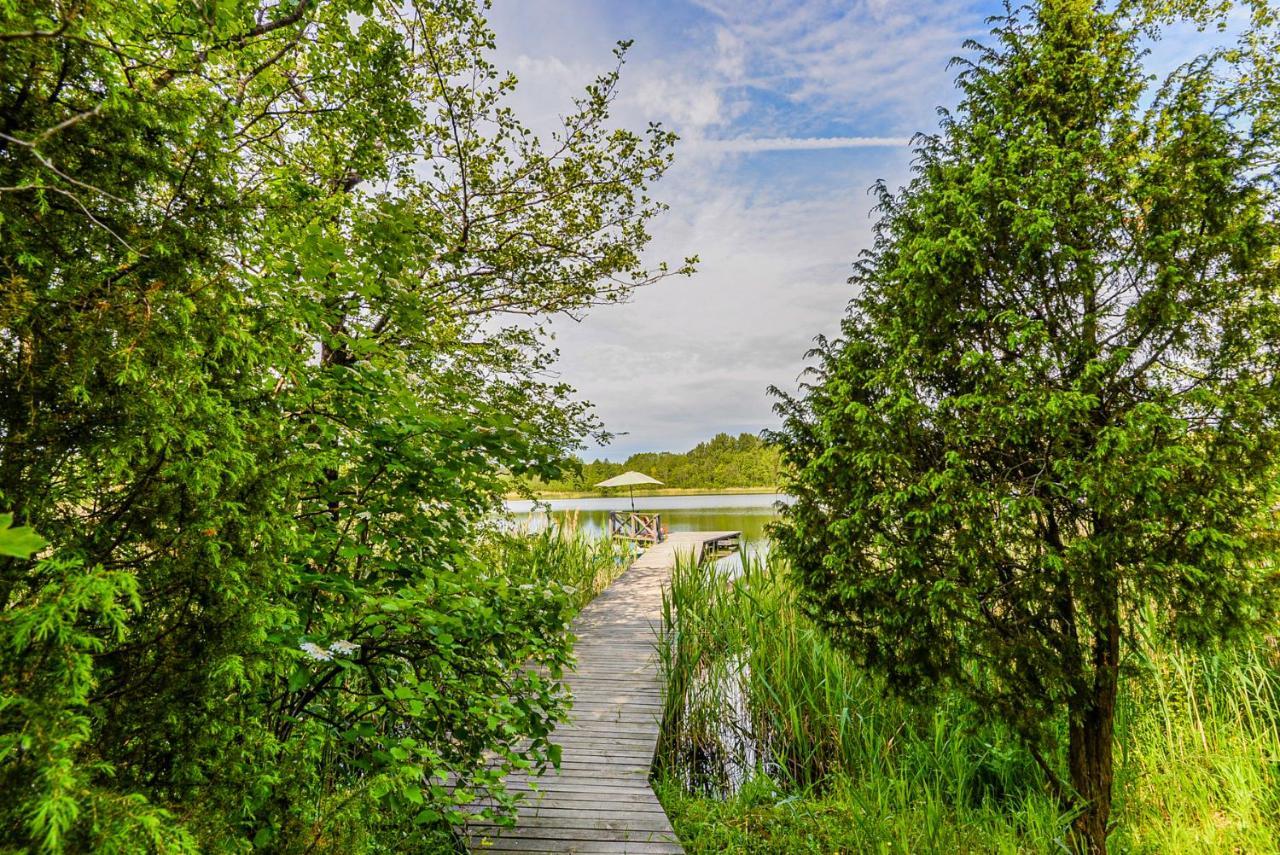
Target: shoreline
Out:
[665,491]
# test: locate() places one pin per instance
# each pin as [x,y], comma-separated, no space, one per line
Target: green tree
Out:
[722,462]
[1055,398]
[266,275]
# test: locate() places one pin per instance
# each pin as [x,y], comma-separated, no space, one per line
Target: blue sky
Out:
[788,111]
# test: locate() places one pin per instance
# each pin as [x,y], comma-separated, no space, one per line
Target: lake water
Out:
[747,513]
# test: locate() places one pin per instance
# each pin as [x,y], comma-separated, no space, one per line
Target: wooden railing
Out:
[629,525]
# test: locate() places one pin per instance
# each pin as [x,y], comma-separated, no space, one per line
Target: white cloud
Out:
[848,58]
[658,90]
[689,105]
[731,55]
[747,144]
[689,358]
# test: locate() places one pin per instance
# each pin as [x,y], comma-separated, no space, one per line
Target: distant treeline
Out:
[722,462]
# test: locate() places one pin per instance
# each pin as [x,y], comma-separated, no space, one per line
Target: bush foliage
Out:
[259,387]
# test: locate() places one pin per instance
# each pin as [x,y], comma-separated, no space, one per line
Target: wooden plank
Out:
[629,799]
[557,816]
[582,847]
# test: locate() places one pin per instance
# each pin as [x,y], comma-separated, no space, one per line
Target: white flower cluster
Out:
[345,648]
[315,651]
[320,654]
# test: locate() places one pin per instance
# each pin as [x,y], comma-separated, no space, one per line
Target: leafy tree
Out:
[261,267]
[722,462]
[1055,398]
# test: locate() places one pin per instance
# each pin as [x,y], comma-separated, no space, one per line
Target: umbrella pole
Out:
[632,491]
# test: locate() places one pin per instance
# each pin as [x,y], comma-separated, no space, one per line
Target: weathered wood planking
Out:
[600,801]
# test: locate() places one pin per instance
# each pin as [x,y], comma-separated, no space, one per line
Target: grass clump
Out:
[775,742]
[560,557]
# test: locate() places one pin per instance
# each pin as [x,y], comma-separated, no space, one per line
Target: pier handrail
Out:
[629,525]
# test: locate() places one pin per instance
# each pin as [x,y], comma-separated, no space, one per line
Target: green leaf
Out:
[300,677]
[20,542]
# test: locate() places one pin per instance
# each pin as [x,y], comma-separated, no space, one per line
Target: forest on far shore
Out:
[721,463]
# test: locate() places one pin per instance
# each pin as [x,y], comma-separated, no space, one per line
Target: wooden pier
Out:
[600,801]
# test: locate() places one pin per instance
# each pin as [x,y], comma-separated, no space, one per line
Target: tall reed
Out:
[1198,739]
[578,563]
[755,693]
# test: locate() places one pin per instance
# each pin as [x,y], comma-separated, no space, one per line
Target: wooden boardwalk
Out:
[600,801]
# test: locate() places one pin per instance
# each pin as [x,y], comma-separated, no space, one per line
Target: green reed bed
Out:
[1199,752]
[574,561]
[775,742]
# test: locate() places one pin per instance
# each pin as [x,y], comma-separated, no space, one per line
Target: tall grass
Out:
[563,555]
[774,741]
[1199,746]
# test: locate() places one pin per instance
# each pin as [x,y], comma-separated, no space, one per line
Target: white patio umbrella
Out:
[629,480]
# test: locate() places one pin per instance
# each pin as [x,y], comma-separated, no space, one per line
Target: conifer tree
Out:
[1054,399]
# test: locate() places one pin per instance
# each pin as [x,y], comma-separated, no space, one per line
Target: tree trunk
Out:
[1089,750]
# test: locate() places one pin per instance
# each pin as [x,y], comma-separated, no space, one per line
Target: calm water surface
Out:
[747,513]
